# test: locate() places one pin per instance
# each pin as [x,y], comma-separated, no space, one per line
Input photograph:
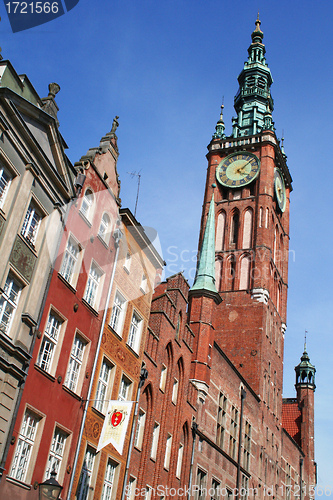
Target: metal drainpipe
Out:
[117,236]
[194,432]
[301,478]
[143,376]
[243,396]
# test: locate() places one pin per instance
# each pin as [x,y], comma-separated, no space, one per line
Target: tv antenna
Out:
[138,175]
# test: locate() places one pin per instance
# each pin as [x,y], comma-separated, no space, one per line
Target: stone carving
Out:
[115,125]
[23,258]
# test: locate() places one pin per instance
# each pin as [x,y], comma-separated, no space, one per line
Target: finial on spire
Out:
[305,341]
[220,127]
[258,23]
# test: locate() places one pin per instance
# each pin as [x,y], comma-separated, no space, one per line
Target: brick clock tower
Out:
[252,191]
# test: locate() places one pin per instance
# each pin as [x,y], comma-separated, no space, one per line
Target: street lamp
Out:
[50,489]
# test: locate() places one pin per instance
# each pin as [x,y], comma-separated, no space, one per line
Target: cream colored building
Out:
[36,185]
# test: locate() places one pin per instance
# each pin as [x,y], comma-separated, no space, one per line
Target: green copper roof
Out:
[253,101]
[305,371]
[205,277]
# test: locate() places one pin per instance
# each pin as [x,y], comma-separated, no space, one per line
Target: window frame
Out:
[29,232]
[54,356]
[110,483]
[105,233]
[4,183]
[6,301]
[94,286]
[155,439]
[120,319]
[129,382]
[135,332]
[73,267]
[140,429]
[34,444]
[82,363]
[88,212]
[100,403]
[168,449]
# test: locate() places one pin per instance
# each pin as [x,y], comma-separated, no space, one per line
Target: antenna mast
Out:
[138,175]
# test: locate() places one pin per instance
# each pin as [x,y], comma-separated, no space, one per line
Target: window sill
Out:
[91,309]
[67,283]
[31,246]
[114,332]
[136,354]
[25,486]
[99,413]
[76,396]
[142,291]
[45,373]
[139,449]
[87,221]
[126,270]
[102,241]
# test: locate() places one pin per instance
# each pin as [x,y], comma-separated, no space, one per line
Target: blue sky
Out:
[163,67]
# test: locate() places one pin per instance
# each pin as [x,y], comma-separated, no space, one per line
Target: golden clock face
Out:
[238,169]
[280,190]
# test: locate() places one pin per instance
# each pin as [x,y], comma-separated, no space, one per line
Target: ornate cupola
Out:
[253,102]
[305,372]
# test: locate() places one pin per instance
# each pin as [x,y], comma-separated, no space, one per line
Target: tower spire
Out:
[205,276]
[253,101]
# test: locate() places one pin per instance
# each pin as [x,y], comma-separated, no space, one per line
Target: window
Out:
[179,461]
[70,261]
[134,336]
[221,417]
[8,303]
[131,488]
[49,342]
[288,481]
[56,453]
[31,224]
[245,487]
[233,432]
[140,427]
[143,285]
[247,446]
[148,493]
[118,313]
[94,280]
[234,230]
[85,480]
[200,445]
[104,228]
[127,264]
[25,443]
[163,378]
[215,493]
[200,493]
[179,324]
[175,391]
[156,433]
[124,389]
[109,480]
[75,363]
[5,180]
[167,452]
[87,204]
[102,386]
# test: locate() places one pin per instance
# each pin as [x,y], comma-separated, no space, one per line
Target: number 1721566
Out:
[32,7]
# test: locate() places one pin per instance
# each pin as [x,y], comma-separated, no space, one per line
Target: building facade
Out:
[47,427]
[101,474]
[245,440]
[36,184]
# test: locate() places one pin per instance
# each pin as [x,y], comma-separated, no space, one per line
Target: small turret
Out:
[305,372]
